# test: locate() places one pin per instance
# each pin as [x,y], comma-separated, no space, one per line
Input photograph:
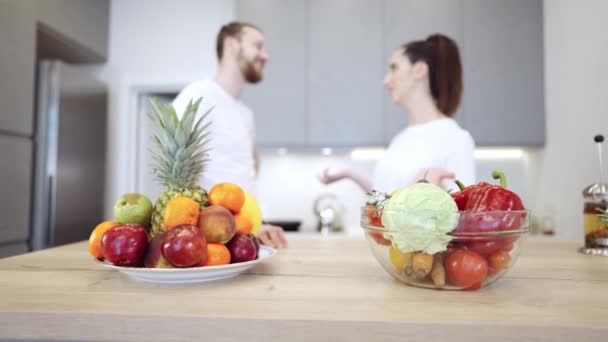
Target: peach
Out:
[217,224]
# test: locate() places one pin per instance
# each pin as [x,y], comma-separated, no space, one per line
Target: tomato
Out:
[452,246]
[373,215]
[508,246]
[380,239]
[374,219]
[498,261]
[486,247]
[466,268]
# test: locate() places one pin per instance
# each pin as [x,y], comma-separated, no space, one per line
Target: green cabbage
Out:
[419,218]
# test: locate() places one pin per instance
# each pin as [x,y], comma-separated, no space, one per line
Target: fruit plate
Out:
[193,274]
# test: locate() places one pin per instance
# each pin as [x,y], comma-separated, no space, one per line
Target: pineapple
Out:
[179,157]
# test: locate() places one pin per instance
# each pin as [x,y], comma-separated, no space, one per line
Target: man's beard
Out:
[250,73]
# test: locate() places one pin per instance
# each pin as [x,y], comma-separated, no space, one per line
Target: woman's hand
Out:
[272,236]
[329,176]
[434,176]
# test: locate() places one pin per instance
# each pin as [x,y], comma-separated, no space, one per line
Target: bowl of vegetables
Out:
[425,237]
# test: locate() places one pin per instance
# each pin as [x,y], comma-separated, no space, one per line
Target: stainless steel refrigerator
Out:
[70,155]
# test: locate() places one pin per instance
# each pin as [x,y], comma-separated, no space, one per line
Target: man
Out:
[232,153]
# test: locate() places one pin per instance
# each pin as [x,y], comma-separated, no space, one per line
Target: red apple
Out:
[125,245]
[154,256]
[242,248]
[185,246]
[257,244]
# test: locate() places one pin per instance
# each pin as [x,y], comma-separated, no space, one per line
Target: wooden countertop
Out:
[317,289]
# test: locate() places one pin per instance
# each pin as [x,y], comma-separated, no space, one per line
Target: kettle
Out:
[329,214]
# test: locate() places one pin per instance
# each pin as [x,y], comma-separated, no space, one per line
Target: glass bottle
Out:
[595,198]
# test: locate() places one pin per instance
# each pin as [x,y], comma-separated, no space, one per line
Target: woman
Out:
[424,78]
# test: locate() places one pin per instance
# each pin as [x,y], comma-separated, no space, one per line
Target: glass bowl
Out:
[481,248]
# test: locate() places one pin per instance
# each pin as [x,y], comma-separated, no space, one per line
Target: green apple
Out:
[133,208]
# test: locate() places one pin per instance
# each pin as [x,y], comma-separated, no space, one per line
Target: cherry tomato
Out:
[498,261]
[466,268]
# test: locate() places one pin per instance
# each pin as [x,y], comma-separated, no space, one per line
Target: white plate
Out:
[192,274]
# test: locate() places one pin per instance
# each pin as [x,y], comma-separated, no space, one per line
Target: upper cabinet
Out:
[345,72]
[74,31]
[79,25]
[502,50]
[323,83]
[280,101]
[17,57]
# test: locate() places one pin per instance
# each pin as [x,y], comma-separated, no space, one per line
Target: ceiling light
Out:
[326,151]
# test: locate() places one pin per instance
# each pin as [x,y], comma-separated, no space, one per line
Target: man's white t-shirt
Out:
[440,143]
[231,134]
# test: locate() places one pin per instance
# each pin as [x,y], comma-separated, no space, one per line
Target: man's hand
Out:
[272,236]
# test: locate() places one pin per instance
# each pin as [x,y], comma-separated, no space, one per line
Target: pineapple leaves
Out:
[197,127]
[180,154]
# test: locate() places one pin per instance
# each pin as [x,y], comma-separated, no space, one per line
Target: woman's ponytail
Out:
[441,55]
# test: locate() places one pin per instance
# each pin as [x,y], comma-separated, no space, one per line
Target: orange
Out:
[181,210]
[244,225]
[227,195]
[217,254]
[95,238]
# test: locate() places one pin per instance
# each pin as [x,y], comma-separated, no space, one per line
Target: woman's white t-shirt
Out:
[231,134]
[439,143]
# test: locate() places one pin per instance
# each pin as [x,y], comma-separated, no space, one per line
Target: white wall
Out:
[158,45]
[287,187]
[576,55]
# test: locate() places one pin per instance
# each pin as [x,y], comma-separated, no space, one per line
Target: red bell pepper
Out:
[493,203]
[494,198]
[462,197]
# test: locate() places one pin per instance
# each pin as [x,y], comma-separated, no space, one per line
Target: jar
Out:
[595,216]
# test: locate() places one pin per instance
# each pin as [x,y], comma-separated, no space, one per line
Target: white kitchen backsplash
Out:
[288,184]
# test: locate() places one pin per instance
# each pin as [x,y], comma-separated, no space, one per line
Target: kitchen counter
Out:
[328,289]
